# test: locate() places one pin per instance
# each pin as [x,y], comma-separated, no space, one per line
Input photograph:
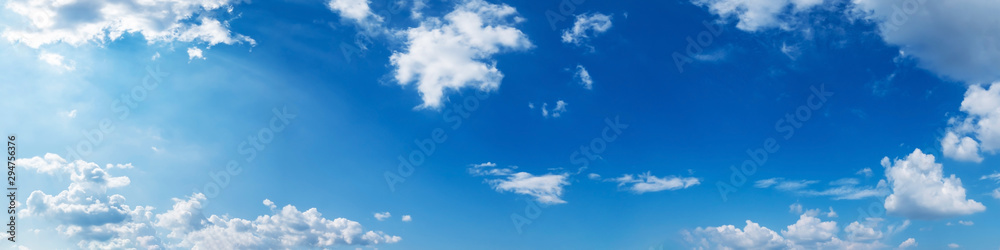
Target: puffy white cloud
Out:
[547,188]
[752,236]
[859,232]
[87,212]
[647,182]
[584,77]
[867,172]
[953,245]
[407,218]
[597,23]
[455,52]
[920,190]
[79,22]
[355,10]
[809,229]
[964,149]
[382,216]
[953,38]
[754,15]
[555,112]
[195,52]
[57,61]
[795,208]
[978,129]
[908,243]
[831,214]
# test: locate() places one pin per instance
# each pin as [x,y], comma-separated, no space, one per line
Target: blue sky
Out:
[479,124]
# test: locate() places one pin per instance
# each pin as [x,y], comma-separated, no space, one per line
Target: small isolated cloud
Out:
[921,191]
[795,208]
[953,245]
[354,10]
[455,52]
[597,23]
[57,60]
[155,56]
[966,223]
[594,176]
[195,52]
[908,243]
[546,189]
[584,77]
[831,214]
[382,216]
[70,114]
[647,182]
[555,112]
[407,218]
[867,172]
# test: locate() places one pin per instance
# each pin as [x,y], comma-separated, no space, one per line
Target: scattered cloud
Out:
[831,214]
[594,176]
[57,61]
[195,52]
[908,243]
[555,112]
[809,232]
[966,223]
[647,182]
[407,218]
[456,52]
[354,10]
[584,77]
[546,189]
[88,212]
[757,15]
[76,23]
[382,216]
[795,208]
[921,191]
[596,23]
[842,189]
[953,245]
[867,172]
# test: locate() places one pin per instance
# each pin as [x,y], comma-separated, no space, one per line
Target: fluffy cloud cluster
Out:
[754,15]
[809,232]
[596,23]
[87,212]
[546,189]
[956,39]
[921,191]
[79,22]
[455,52]
[647,182]
[978,130]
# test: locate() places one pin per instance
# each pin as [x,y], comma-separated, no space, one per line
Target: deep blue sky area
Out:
[483,124]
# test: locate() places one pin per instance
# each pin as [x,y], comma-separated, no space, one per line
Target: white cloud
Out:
[85,211]
[995,177]
[155,56]
[964,149]
[584,77]
[966,223]
[867,172]
[647,182]
[908,243]
[843,189]
[942,35]
[809,229]
[831,214]
[555,112]
[594,176]
[355,10]
[996,193]
[79,22]
[407,218]
[57,61]
[547,188]
[195,52]
[752,236]
[795,208]
[598,23]
[920,190]
[70,114]
[953,245]
[382,216]
[978,129]
[859,232]
[754,15]
[455,52]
